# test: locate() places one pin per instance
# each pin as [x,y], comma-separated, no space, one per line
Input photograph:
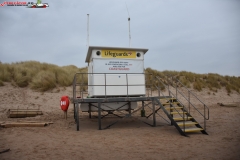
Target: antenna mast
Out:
[87,30]
[129,26]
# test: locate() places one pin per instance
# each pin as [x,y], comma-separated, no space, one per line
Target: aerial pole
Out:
[129,32]
[87,30]
[129,26]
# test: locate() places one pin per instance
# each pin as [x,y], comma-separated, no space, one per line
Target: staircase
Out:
[180,115]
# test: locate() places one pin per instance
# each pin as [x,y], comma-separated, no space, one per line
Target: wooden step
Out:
[169,98]
[17,124]
[168,108]
[180,118]
[177,112]
[22,113]
[192,129]
[164,104]
[187,123]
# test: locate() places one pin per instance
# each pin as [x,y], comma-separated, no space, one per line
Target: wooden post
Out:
[65,114]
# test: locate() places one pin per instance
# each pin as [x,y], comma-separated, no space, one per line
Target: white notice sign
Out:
[117,66]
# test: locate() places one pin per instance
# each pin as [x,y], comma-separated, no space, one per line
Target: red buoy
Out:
[64,103]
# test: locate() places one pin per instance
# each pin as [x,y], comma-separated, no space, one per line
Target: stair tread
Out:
[170,103]
[177,112]
[168,98]
[187,123]
[168,108]
[181,118]
[195,129]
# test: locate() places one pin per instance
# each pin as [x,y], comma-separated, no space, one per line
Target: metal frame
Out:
[100,101]
[204,115]
[146,101]
[82,84]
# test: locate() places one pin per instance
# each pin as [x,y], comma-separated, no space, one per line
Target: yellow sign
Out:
[118,54]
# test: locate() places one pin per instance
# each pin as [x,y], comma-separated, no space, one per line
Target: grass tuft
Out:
[43,81]
[197,85]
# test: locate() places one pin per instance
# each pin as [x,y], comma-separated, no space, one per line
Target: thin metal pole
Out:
[90,110]
[81,90]
[168,89]
[143,111]
[204,119]
[105,85]
[129,32]
[129,109]
[127,83]
[77,116]
[176,90]
[87,30]
[189,102]
[99,116]
[154,117]
[74,87]
[129,26]
[151,84]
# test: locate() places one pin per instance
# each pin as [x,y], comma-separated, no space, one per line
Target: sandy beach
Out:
[128,139]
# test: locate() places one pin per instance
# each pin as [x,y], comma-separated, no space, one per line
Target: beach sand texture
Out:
[128,139]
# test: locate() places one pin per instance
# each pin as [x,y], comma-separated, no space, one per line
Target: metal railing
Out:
[178,93]
[81,80]
[173,86]
[172,108]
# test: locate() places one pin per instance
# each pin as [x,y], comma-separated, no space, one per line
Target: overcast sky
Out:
[201,36]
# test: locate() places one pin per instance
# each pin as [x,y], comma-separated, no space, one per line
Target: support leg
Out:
[171,110]
[74,110]
[90,110]
[154,116]
[99,116]
[129,108]
[77,116]
[143,110]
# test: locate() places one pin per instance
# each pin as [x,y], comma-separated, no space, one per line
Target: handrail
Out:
[206,117]
[183,114]
[205,106]
[172,94]
[105,83]
[193,105]
[171,102]
[190,91]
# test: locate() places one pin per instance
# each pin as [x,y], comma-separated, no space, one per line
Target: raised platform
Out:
[99,105]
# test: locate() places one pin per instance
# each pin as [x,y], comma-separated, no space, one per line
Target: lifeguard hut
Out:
[115,72]
[116,82]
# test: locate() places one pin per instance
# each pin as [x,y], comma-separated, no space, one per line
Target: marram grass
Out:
[44,76]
